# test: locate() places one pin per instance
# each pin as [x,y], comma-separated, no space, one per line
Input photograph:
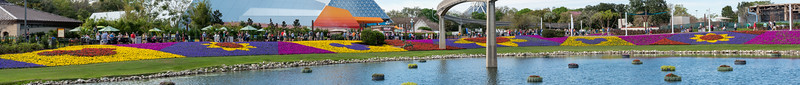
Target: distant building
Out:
[336,14]
[678,20]
[774,12]
[114,15]
[476,7]
[12,18]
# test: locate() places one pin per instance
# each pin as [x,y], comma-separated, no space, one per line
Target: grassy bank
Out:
[178,64]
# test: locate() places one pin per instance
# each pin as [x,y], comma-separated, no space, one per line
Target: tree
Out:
[523,11]
[200,15]
[650,6]
[681,11]
[283,24]
[296,23]
[727,11]
[249,21]
[560,10]
[216,17]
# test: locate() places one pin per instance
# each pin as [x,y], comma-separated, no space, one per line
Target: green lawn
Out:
[178,64]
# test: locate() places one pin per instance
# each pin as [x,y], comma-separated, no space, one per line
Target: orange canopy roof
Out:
[369,19]
[332,17]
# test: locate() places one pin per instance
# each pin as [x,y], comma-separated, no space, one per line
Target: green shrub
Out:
[337,37]
[370,37]
[552,33]
[425,28]
[20,48]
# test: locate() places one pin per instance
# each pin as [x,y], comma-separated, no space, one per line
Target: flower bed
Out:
[16,64]
[203,49]
[418,45]
[348,46]
[294,48]
[644,39]
[85,52]
[123,54]
[532,41]
[555,39]
[595,41]
[451,42]
[712,38]
[501,41]
[152,46]
[776,37]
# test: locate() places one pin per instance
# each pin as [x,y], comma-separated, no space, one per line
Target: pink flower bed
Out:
[152,46]
[555,39]
[776,37]
[644,39]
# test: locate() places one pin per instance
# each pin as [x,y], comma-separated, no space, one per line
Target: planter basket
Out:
[535,79]
[422,61]
[573,65]
[412,65]
[306,70]
[776,54]
[377,77]
[636,62]
[667,68]
[626,56]
[724,69]
[740,62]
[672,78]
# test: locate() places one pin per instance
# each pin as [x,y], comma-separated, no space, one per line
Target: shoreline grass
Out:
[24,75]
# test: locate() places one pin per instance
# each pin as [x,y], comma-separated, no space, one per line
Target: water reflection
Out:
[492,76]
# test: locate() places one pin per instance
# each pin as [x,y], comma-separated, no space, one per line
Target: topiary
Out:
[370,37]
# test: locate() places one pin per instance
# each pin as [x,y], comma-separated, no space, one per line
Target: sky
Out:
[702,6]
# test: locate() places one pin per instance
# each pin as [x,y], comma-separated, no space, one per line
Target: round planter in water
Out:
[636,62]
[409,83]
[667,68]
[377,76]
[724,68]
[166,83]
[306,70]
[740,62]
[775,54]
[626,56]
[534,78]
[672,77]
[572,65]
[422,61]
[412,65]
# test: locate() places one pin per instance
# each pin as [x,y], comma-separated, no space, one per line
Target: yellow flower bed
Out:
[325,44]
[123,54]
[609,41]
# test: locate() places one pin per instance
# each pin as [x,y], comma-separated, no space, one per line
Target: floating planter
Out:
[546,56]
[306,70]
[740,62]
[573,65]
[626,56]
[667,68]
[409,83]
[534,78]
[672,77]
[636,62]
[166,83]
[377,76]
[775,54]
[724,68]
[412,65]
[422,61]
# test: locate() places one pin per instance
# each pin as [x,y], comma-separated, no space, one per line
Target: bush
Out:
[370,37]
[552,33]
[20,48]
[425,28]
[337,37]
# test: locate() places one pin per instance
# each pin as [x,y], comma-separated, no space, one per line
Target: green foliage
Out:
[200,15]
[560,10]
[523,11]
[337,37]
[727,11]
[20,48]
[425,28]
[552,33]
[370,37]
[482,16]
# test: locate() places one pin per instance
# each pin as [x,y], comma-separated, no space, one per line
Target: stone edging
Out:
[271,65]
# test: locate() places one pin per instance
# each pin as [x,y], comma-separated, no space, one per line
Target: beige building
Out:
[13,16]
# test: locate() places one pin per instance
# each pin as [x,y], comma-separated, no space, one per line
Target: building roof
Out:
[14,12]
[360,8]
[113,15]
[407,21]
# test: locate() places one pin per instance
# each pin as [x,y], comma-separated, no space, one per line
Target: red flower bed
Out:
[636,60]
[418,45]
[750,32]
[82,52]
[711,37]
[671,75]
[483,39]
[724,66]
[668,42]
[229,45]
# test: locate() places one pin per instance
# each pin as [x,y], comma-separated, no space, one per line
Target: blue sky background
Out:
[715,6]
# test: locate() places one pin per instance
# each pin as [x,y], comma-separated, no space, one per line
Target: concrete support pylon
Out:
[442,36]
[491,42]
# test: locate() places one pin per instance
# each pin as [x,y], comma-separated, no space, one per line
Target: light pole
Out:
[672,19]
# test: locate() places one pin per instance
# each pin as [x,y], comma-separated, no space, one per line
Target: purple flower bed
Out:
[197,49]
[294,48]
[531,41]
[738,38]
[352,46]
[152,46]
[777,37]
[451,42]
[644,39]
[16,64]
[555,39]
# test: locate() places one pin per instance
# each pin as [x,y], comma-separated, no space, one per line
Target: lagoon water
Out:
[593,70]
